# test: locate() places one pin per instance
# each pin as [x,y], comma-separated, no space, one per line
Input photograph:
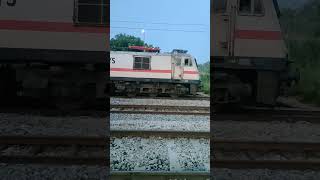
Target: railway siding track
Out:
[53,150]
[158,109]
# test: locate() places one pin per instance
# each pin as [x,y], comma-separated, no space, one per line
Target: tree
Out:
[121,42]
[302,29]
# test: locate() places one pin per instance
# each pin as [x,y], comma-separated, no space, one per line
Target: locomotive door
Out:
[222,27]
[177,68]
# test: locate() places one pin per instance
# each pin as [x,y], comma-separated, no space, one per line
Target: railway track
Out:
[164,134]
[161,175]
[265,154]
[247,114]
[92,151]
[206,98]
[54,112]
[27,104]
[267,164]
[53,150]
[243,154]
[269,114]
[160,109]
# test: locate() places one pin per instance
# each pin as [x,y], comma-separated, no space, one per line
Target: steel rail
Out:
[263,146]
[190,175]
[245,145]
[164,134]
[266,164]
[160,109]
[268,114]
[38,144]
[53,140]
[165,98]
[282,111]
[165,107]
[54,112]
[161,112]
[54,160]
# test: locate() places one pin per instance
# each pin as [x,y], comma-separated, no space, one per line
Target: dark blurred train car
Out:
[248,52]
[54,49]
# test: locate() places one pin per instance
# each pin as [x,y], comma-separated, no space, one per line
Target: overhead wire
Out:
[160,23]
[159,29]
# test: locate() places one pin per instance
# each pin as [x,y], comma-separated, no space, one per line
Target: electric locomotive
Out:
[147,71]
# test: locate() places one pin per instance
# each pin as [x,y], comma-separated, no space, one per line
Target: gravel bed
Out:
[264,174]
[159,122]
[269,131]
[159,154]
[41,172]
[164,102]
[17,124]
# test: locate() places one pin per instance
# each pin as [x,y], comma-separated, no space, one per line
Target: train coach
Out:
[154,73]
[248,52]
[54,48]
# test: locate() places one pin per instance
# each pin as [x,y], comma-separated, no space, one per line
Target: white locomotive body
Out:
[154,73]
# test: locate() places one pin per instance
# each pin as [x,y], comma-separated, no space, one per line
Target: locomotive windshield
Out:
[187,62]
[195,60]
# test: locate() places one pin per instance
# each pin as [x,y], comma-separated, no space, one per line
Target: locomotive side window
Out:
[219,6]
[251,7]
[187,62]
[245,6]
[91,12]
[258,9]
[141,63]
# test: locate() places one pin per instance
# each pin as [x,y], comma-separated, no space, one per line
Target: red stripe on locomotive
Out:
[150,71]
[49,26]
[258,35]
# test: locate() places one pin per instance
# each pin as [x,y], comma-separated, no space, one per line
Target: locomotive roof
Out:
[151,53]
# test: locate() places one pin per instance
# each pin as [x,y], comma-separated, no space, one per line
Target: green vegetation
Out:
[302,32]
[204,70]
[121,42]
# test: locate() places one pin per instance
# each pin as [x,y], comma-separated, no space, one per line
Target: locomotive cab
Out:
[184,66]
